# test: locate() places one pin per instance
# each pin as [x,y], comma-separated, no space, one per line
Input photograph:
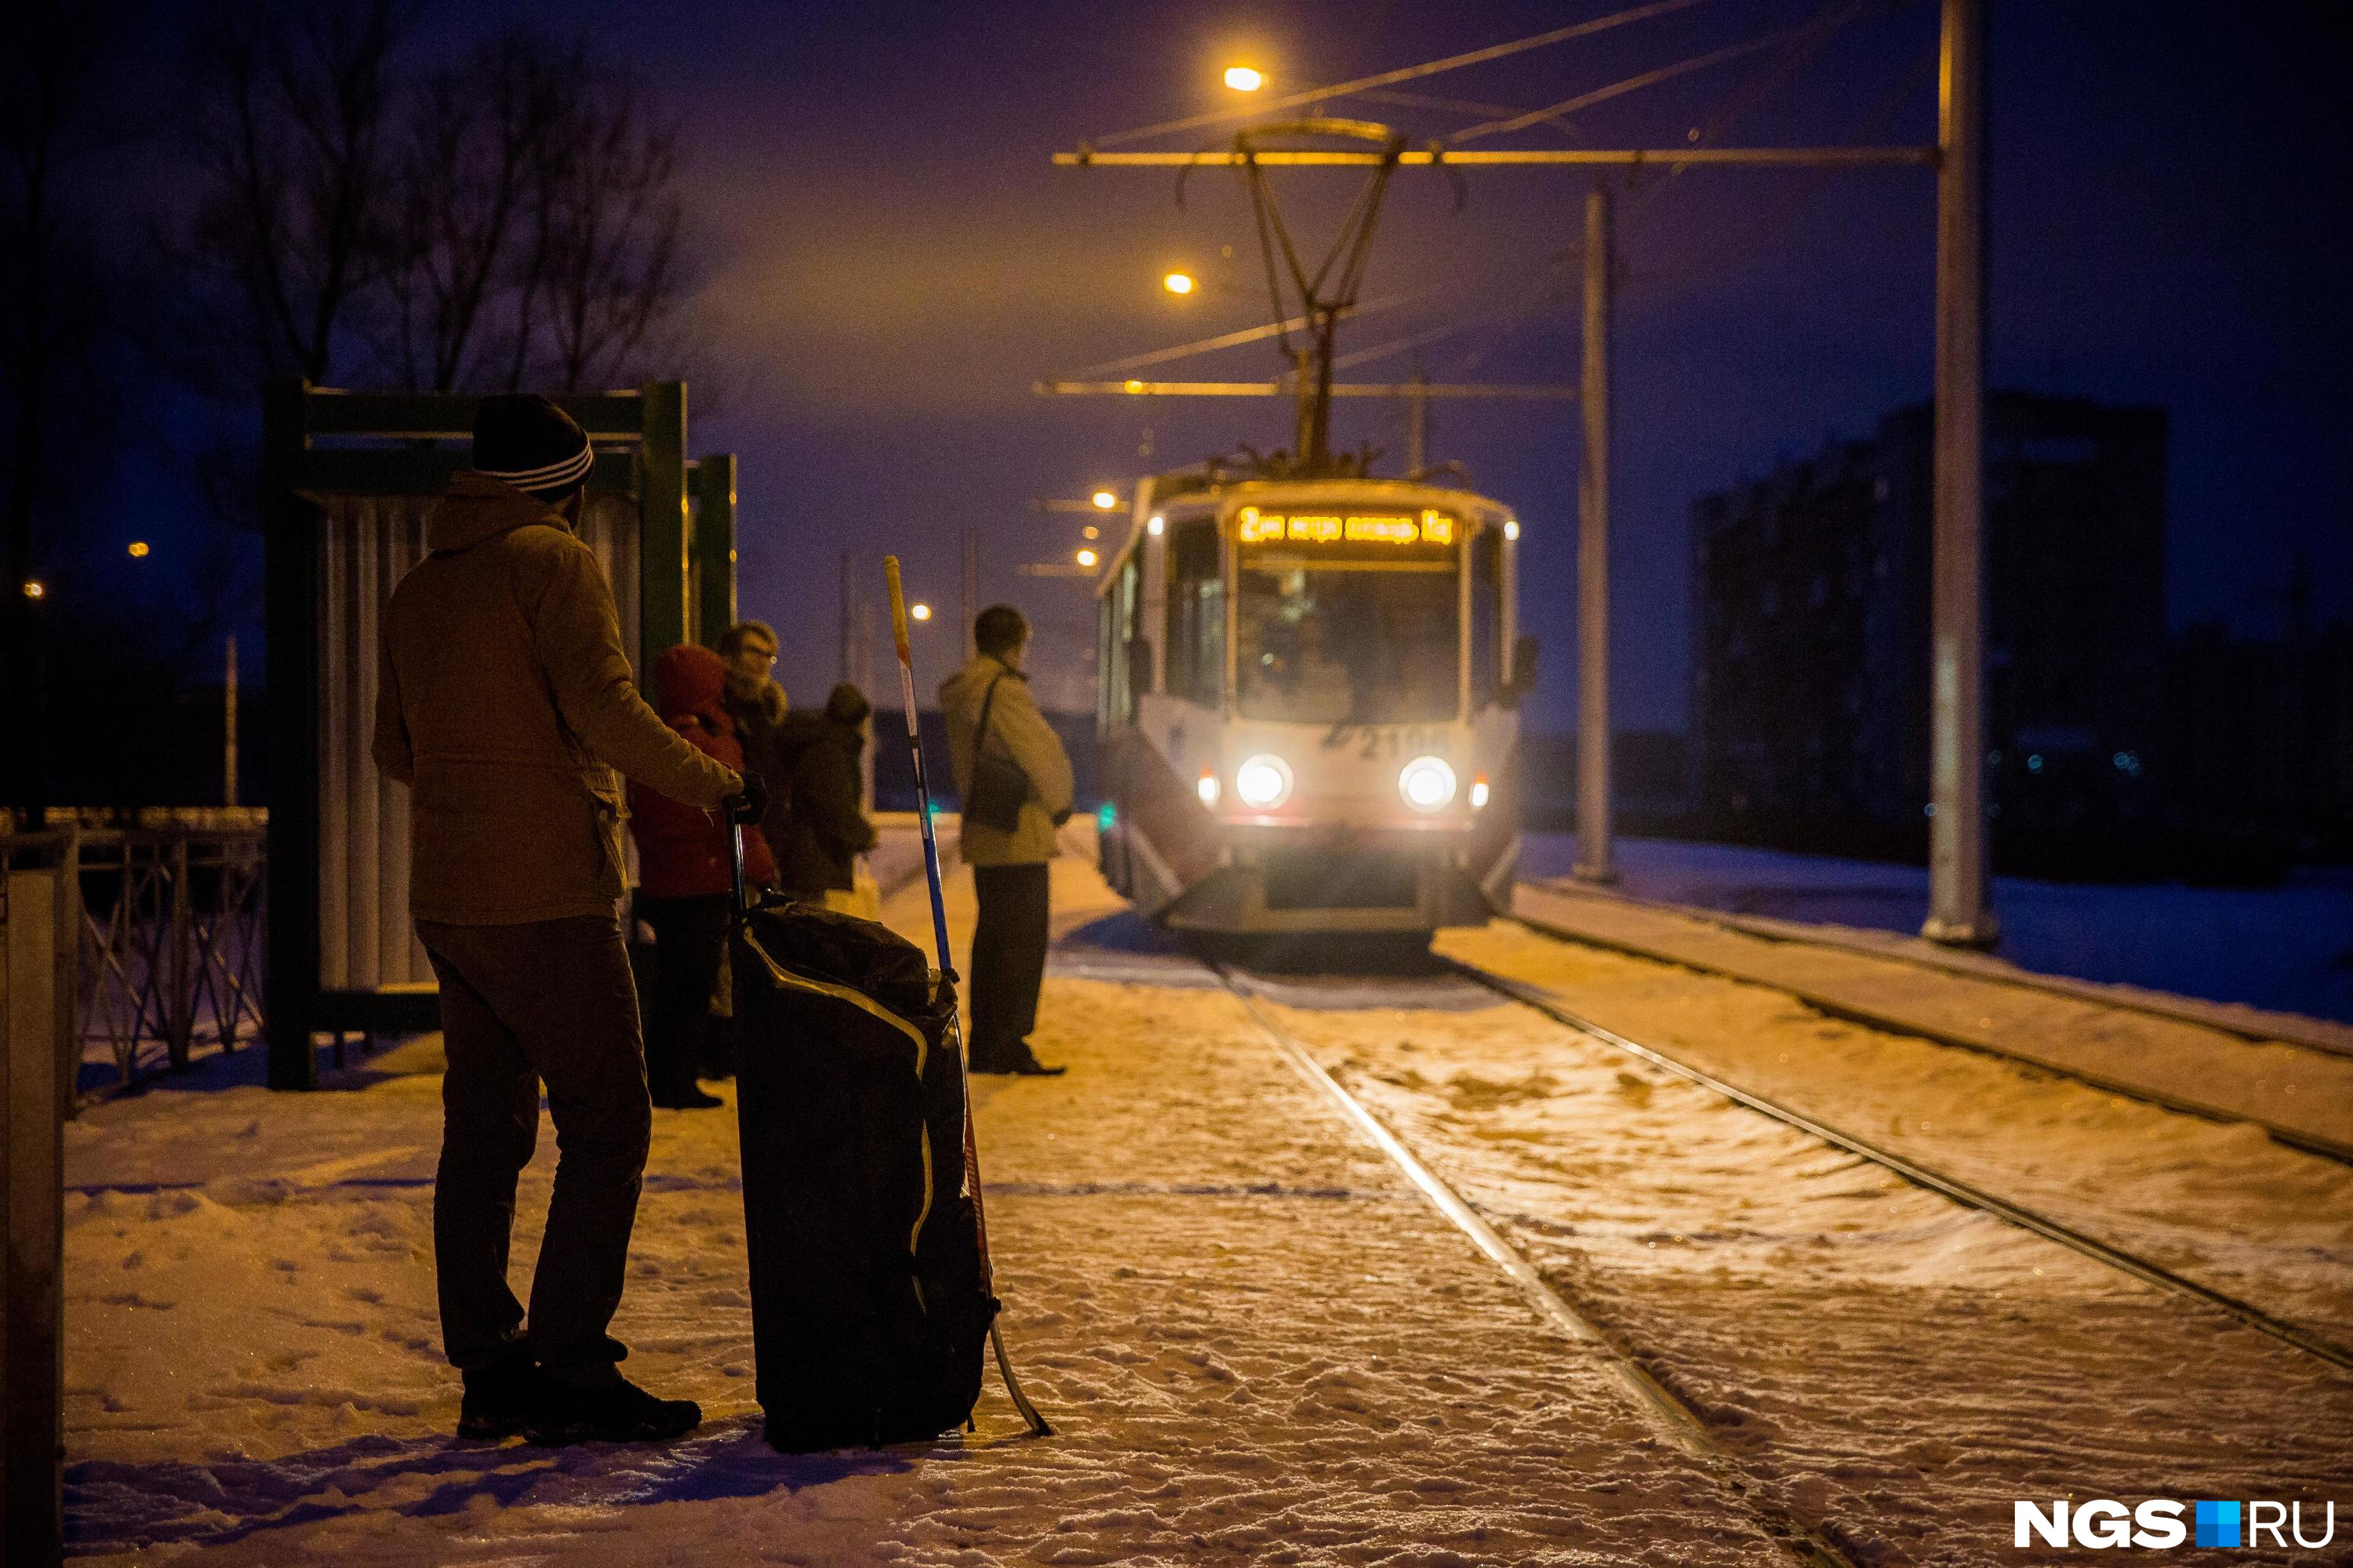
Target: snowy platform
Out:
[1259,1342]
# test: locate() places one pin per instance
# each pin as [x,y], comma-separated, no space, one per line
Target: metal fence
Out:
[164,960]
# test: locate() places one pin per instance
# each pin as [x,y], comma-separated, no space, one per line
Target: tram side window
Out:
[1196,615]
[1486,616]
[1122,611]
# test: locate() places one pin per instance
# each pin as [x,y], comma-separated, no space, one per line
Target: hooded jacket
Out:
[505,702]
[682,853]
[1018,730]
[820,838]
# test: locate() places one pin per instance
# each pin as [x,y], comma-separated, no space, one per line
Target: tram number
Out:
[1374,742]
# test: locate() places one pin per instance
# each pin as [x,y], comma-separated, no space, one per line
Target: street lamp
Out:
[1104,500]
[1178,282]
[138,549]
[1243,78]
[1087,557]
[34,587]
[920,611]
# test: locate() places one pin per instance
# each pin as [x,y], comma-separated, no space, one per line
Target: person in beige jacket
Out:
[505,704]
[1009,866]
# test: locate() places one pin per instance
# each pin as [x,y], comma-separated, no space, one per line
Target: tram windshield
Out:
[1346,641]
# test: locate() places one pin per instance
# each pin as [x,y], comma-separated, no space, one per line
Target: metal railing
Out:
[166,912]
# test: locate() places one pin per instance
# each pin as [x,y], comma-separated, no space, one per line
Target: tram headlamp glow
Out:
[1207,788]
[1427,783]
[1479,793]
[1263,782]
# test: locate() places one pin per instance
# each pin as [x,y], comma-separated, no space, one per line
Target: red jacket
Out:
[681,850]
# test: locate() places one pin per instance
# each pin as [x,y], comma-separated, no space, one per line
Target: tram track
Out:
[1667,1413]
[1674,1417]
[1832,1006]
[1967,1194]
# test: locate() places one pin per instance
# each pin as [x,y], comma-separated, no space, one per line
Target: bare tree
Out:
[477,138]
[290,129]
[609,269]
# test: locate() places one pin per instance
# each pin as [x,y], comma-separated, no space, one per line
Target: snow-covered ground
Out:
[1259,1343]
[2288,948]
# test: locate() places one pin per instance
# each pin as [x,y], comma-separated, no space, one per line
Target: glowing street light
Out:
[1104,500]
[138,549]
[1178,282]
[1087,557]
[920,611]
[1243,78]
[35,588]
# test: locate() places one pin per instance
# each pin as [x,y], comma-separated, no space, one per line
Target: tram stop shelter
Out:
[347,479]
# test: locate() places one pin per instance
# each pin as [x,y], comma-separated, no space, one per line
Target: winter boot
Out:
[503,1398]
[615,1412]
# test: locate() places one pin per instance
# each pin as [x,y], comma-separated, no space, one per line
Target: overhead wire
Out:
[1407,73]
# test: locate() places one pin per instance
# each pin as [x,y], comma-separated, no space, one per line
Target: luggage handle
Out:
[735,855]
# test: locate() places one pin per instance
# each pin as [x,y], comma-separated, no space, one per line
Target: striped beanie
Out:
[523,439]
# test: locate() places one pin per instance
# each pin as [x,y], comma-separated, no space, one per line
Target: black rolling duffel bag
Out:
[870,1293]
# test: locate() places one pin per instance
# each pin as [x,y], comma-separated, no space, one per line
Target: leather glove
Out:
[751,805]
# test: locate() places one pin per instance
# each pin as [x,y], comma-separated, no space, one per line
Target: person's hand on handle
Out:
[748,805]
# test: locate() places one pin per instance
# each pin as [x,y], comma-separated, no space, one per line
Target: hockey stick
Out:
[1037,1426]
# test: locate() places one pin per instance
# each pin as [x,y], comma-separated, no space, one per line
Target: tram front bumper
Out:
[1362,881]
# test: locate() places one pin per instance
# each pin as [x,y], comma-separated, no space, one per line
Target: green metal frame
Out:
[321,440]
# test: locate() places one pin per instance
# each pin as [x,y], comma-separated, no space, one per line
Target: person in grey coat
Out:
[1008,863]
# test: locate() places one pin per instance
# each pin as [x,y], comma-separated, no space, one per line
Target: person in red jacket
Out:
[685,873]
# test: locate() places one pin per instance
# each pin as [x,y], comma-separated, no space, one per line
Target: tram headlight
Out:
[1427,783]
[1207,788]
[1263,782]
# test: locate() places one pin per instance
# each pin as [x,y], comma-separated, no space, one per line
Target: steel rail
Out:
[1961,1192]
[1669,1415]
[1894,1023]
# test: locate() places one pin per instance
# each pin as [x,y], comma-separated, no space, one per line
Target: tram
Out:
[1308,703]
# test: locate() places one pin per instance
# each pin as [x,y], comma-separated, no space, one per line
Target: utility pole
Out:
[971,586]
[1595,859]
[1416,428]
[228,727]
[1959,912]
[843,660]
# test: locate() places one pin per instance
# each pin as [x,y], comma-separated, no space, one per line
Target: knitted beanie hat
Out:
[525,440]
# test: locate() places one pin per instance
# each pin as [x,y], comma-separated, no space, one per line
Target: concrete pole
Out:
[971,589]
[1416,430]
[1959,910]
[1595,858]
[846,658]
[228,727]
[32,1228]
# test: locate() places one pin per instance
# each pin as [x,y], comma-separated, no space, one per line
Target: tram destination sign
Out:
[1256,525]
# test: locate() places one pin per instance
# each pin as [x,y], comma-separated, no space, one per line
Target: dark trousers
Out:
[1008,958]
[688,936]
[551,999]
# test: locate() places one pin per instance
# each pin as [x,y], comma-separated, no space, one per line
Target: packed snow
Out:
[1258,1342]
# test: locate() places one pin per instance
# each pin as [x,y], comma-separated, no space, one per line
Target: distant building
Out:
[1810,623]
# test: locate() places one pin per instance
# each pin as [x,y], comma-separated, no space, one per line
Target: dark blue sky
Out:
[889,262]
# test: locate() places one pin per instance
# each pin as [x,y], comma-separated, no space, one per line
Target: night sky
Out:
[888,262]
